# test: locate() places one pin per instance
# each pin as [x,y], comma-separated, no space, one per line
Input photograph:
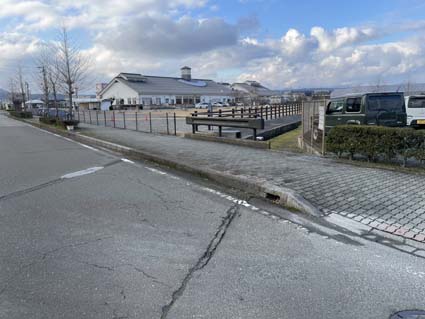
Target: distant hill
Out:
[412,89]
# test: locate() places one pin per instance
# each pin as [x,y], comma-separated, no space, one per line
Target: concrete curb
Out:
[281,195]
[240,142]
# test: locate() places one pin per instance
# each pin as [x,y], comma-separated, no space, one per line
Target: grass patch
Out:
[287,141]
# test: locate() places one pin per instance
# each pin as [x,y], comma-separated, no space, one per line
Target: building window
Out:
[179,100]
[158,101]
[147,101]
[167,101]
[129,100]
[134,100]
[188,100]
[198,99]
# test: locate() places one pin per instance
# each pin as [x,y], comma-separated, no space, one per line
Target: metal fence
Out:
[137,121]
[172,123]
[265,112]
[313,126]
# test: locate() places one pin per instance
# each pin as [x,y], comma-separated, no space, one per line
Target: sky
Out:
[284,44]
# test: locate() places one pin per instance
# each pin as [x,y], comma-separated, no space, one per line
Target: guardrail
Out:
[268,112]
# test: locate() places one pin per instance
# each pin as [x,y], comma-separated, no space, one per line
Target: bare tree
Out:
[21,85]
[53,78]
[47,75]
[43,62]
[72,66]
[13,95]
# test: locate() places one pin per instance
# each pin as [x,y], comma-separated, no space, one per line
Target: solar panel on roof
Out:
[134,77]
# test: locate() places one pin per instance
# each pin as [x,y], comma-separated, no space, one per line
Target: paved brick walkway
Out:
[386,200]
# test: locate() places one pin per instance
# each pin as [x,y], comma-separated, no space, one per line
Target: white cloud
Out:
[158,36]
[337,38]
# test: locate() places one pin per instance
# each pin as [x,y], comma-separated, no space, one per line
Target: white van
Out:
[415,109]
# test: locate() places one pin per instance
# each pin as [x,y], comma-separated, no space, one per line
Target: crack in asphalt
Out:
[43,256]
[163,199]
[136,268]
[203,261]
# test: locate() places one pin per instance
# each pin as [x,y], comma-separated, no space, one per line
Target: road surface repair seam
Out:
[57,180]
[231,213]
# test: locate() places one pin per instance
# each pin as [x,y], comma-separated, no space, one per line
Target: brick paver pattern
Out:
[386,200]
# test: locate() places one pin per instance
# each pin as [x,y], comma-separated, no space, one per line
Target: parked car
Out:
[217,104]
[239,104]
[385,109]
[202,105]
[62,114]
[226,104]
[415,109]
[42,111]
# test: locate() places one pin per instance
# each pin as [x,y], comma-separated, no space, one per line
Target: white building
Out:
[134,90]
[253,93]
[86,103]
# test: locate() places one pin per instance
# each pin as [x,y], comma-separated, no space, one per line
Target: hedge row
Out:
[375,142]
[21,114]
[47,120]
[58,122]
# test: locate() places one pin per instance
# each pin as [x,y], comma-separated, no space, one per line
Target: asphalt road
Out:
[84,234]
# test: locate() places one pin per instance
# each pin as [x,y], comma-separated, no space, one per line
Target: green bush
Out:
[58,122]
[47,120]
[377,141]
[21,114]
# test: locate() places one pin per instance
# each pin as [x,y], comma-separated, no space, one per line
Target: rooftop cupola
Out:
[186,73]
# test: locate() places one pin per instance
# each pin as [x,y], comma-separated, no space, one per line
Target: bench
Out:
[248,123]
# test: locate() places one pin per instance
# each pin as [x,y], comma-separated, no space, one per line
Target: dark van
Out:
[385,109]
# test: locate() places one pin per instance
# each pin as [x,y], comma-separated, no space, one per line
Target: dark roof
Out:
[156,85]
[254,88]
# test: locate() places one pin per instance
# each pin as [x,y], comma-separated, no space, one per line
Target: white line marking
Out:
[154,170]
[127,161]
[87,171]
[239,202]
[89,147]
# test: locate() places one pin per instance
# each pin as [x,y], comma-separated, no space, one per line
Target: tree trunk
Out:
[55,99]
[70,100]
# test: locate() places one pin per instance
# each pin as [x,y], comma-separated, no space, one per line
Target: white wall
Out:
[119,91]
